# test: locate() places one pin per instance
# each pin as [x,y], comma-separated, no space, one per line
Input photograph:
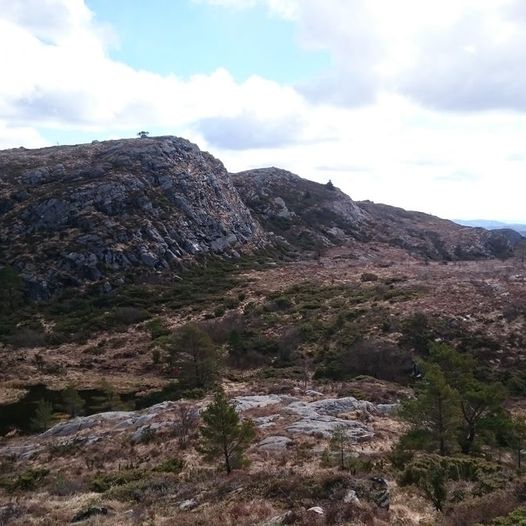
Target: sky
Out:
[412,103]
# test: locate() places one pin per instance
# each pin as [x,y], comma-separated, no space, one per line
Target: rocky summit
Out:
[73,214]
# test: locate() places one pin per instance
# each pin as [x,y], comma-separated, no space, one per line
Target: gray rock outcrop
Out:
[73,214]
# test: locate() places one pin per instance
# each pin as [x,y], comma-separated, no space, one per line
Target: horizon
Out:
[423,112]
[456,219]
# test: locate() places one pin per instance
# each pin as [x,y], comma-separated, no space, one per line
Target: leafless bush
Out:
[27,338]
[476,510]
[186,425]
[220,329]
[64,487]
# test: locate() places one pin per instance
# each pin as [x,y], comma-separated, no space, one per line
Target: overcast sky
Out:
[415,103]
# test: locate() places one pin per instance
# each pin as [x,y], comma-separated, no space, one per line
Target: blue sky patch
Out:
[185,38]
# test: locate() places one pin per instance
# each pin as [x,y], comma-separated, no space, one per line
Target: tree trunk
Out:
[227,461]
[467,446]
[442,442]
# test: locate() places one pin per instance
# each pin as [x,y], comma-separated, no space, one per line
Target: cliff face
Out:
[73,214]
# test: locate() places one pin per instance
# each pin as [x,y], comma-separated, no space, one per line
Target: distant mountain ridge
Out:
[108,211]
[492,225]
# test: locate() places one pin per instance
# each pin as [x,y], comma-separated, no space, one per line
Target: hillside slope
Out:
[307,214]
[311,215]
[436,238]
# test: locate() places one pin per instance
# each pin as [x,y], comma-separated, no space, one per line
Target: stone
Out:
[387,409]
[318,510]
[337,406]
[188,505]
[320,417]
[326,425]
[351,497]
[244,403]
[25,452]
[263,422]
[313,393]
[380,492]
[81,423]
[274,443]
[8,512]
[145,432]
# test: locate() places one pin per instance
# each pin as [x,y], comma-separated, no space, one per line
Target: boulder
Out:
[274,443]
[244,403]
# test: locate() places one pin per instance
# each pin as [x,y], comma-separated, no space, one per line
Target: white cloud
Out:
[60,74]
[460,55]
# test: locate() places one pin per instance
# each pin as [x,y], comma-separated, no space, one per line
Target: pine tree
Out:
[72,402]
[436,408]
[435,486]
[194,354]
[11,289]
[224,434]
[517,438]
[339,443]
[43,416]
[480,403]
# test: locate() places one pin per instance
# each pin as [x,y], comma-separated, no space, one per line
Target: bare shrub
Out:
[481,509]
[186,425]
[27,338]
[64,487]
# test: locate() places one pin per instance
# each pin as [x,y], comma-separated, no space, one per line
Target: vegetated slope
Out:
[74,214]
[311,215]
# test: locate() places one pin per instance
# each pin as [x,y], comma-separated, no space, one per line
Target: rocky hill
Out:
[106,211]
[435,238]
[73,214]
[311,215]
[493,225]
[307,214]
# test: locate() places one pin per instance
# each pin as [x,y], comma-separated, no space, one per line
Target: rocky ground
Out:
[118,467]
[293,432]
[103,213]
